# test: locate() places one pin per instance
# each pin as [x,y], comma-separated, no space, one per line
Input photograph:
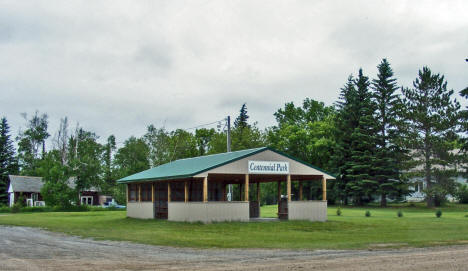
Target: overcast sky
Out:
[116,66]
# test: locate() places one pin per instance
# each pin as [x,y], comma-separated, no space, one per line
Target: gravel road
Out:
[23,248]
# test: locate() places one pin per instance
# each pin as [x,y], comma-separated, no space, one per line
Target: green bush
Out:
[36,209]
[338,211]
[21,201]
[400,213]
[71,208]
[5,209]
[16,208]
[462,193]
[368,214]
[438,213]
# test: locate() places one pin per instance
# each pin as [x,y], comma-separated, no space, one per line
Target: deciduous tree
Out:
[30,142]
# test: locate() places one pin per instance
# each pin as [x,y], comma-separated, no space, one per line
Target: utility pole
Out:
[228,143]
[228,133]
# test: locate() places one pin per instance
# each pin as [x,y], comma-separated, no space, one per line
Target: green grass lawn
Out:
[351,230]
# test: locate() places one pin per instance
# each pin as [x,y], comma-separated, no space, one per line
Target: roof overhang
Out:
[215,167]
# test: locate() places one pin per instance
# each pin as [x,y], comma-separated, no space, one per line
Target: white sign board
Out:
[268,167]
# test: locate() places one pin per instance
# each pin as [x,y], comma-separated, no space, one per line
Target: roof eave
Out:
[194,173]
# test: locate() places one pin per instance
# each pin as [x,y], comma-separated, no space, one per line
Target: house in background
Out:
[30,188]
[418,184]
[27,186]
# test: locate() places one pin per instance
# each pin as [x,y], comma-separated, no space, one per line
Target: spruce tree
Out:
[363,144]
[346,122]
[389,152]
[241,120]
[433,118]
[464,131]
[8,163]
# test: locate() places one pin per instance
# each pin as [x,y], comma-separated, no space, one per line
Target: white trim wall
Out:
[207,212]
[12,198]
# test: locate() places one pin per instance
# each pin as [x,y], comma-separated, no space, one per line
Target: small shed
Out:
[27,186]
[30,188]
[195,189]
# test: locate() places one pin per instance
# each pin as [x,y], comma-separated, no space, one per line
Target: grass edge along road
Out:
[351,230]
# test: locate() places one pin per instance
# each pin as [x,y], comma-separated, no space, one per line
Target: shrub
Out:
[438,213]
[462,193]
[21,201]
[36,209]
[368,214]
[16,208]
[400,213]
[71,208]
[338,211]
[5,209]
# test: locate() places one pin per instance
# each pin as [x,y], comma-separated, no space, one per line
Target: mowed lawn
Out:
[351,230]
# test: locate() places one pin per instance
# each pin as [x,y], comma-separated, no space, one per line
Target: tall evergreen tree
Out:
[389,153]
[8,163]
[433,117]
[346,122]
[464,131]
[363,143]
[241,120]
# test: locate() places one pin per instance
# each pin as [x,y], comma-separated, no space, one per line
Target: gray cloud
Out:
[116,66]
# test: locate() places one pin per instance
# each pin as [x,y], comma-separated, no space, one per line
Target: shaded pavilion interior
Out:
[214,188]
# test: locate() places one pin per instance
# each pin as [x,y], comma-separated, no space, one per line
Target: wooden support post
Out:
[205,189]
[246,188]
[152,192]
[324,188]
[300,190]
[186,191]
[168,192]
[289,187]
[139,192]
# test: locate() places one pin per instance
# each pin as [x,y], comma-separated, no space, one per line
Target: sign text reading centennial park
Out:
[268,167]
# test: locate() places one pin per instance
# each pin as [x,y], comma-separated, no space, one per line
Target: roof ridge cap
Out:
[24,176]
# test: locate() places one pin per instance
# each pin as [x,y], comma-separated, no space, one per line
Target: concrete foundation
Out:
[312,210]
[143,210]
[207,212]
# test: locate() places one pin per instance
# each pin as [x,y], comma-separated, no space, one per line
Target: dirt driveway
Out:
[24,248]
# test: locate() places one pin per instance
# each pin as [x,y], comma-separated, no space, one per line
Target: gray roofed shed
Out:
[25,183]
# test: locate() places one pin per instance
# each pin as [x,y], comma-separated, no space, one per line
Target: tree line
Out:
[375,139]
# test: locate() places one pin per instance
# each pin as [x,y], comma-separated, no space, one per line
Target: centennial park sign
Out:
[268,167]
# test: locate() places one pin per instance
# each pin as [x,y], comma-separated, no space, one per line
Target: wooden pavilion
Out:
[195,189]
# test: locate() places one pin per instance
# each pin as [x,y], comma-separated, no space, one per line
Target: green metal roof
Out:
[189,167]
